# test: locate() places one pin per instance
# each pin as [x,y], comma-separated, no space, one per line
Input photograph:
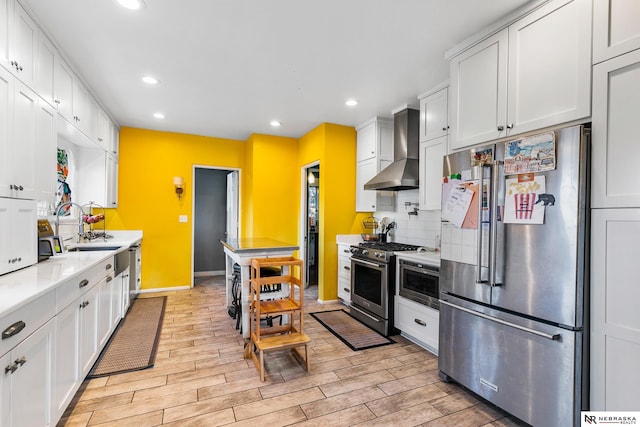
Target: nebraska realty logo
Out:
[593,418]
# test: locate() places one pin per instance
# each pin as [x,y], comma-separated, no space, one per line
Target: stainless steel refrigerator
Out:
[514,274]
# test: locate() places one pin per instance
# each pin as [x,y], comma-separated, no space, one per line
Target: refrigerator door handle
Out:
[479,239]
[493,222]
[552,337]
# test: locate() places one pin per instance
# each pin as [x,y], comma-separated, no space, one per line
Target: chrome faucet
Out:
[80,214]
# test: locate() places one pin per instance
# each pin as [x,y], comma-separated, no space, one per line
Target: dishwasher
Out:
[134,271]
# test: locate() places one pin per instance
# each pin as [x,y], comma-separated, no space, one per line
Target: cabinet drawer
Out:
[73,288]
[418,321]
[344,267]
[344,289]
[18,325]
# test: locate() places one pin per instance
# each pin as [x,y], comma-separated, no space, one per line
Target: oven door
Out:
[419,283]
[369,286]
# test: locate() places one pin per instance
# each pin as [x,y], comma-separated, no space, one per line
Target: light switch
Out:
[183,218]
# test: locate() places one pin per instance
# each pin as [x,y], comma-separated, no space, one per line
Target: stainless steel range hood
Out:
[402,174]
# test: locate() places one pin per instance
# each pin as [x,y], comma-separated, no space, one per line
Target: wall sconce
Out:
[178,182]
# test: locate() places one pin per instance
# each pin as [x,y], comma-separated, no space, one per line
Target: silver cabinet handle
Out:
[500,128]
[346,289]
[10,369]
[420,322]
[510,126]
[347,268]
[83,283]
[109,278]
[552,337]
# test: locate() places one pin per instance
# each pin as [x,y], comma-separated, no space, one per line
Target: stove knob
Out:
[364,252]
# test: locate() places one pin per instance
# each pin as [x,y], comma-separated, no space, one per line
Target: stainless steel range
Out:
[373,283]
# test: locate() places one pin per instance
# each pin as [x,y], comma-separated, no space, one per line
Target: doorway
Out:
[312,225]
[215,218]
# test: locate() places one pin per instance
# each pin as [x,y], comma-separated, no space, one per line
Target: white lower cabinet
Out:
[68,377]
[104,309]
[117,297]
[615,324]
[417,322]
[344,274]
[88,342]
[27,381]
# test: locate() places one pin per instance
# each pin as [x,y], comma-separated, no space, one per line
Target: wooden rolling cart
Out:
[271,296]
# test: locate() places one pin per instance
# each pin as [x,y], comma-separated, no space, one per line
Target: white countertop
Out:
[23,286]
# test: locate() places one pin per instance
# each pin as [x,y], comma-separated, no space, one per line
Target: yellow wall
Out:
[147,201]
[270,194]
[334,147]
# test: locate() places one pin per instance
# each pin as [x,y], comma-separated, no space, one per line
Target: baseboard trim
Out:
[171,289]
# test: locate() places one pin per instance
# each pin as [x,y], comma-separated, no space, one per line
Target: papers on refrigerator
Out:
[457,204]
[523,204]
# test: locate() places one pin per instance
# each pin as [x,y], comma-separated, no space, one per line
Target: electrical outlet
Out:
[183,218]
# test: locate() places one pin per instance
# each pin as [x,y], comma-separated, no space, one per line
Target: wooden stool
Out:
[287,301]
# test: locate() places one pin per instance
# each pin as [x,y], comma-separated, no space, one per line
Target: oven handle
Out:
[363,313]
[361,261]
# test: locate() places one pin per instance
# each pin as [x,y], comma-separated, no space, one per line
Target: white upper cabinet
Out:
[6,25]
[615,28]
[616,102]
[63,86]
[6,129]
[533,74]
[47,140]
[479,92]
[104,132]
[434,116]
[45,70]
[23,148]
[374,153]
[23,46]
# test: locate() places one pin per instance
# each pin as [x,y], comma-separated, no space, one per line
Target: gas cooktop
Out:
[389,246]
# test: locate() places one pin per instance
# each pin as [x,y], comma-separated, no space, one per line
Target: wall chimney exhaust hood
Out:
[403,173]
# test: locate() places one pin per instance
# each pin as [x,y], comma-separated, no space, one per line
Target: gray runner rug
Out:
[133,345]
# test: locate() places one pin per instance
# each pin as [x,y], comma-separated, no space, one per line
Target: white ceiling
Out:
[229,67]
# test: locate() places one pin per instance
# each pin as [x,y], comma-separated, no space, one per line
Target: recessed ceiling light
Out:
[351,102]
[132,4]
[276,123]
[158,115]
[150,80]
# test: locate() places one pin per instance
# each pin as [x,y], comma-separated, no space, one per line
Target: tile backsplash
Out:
[422,229]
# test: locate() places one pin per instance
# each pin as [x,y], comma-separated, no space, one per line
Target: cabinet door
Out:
[115,138]
[103,130]
[366,142]
[22,152]
[6,26]
[112,181]
[479,92]
[549,66]
[24,46]
[88,330]
[81,108]
[431,173]
[63,86]
[116,298]
[5,391]
[32,381]
[6,130]
[45,70]
[615,28]
[17,220]
[365,199]
[47,139]
[434,116]
[104,310]
[25,238]
[615,324]
[615,145]
[67,368]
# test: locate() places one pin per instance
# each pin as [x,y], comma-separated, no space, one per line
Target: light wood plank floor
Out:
[200,378]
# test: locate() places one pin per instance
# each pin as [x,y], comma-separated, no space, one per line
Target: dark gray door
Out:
[210,219]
